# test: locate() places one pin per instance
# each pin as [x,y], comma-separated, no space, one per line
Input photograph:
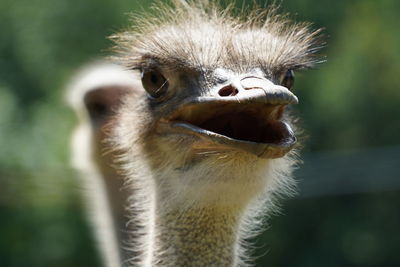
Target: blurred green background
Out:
[347,212]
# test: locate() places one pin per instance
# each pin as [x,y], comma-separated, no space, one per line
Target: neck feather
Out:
[199,236]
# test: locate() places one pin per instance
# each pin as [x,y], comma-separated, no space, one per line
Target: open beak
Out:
[246,115]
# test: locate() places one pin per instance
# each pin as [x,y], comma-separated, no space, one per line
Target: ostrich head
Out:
[215,104]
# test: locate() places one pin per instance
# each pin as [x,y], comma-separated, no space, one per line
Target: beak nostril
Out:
[228,91]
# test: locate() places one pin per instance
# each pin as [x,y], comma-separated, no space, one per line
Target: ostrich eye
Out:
[154,82]
[288,79]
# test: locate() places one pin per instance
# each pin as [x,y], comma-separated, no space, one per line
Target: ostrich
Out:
[207,143]
[95,94]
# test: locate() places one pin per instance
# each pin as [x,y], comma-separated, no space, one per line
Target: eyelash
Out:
[287,79]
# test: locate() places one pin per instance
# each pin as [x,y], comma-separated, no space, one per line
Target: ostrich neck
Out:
[203,236]
[198,210]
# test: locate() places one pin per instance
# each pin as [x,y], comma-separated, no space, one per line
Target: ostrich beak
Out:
[246,114]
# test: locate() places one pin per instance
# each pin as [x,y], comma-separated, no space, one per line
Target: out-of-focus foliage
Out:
[353,100]
[350,102]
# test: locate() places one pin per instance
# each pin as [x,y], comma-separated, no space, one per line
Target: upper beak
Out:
[255,89]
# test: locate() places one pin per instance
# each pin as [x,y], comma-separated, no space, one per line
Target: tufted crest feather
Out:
[201,35]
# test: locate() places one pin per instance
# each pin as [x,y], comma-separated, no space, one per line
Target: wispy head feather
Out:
[204,35]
